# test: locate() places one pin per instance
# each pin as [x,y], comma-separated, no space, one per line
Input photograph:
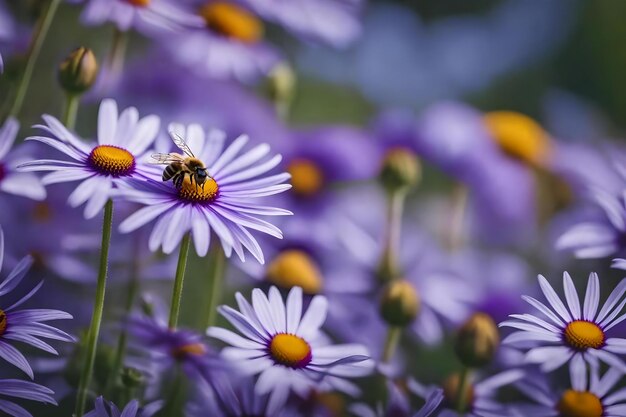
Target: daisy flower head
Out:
[590,395]
[15,388]
[104,408]
[118,155]
[150,17]
[228,45]
[226,203]
[11,180]
[572,333]
[27,325]
[287,348]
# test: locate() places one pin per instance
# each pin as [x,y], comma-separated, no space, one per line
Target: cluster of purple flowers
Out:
[329,277]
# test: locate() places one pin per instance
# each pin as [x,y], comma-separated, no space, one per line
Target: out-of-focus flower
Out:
[105,408]
[7,29]
[22,390]
[25,326]
[229,44]
[333,22]
[117,156]
[11,180]
[226,204]
[571,334]
[287,348]
[149,17]
[598,238]
[398,405]
[477,341]
[482,394]
[590,395]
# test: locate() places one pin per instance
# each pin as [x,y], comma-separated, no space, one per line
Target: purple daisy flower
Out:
[11,180]
[228,44]
[27,390]
[590,395]
[483,400]
[108,409]
[571,333]
[25,326]
[118,155]
[149,17]
[287,348]
[226,204]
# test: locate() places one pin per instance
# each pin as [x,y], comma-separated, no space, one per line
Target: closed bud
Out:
[132,377]
[282,81]
[399,304]
[477,341]
[451,387]
[78,71]
[401,170]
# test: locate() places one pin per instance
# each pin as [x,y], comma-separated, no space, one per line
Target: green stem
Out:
[71,110]
[115,59]
[133,288]
[388,266]
[98,308]
[217,268]
[177,292]
[461,394]
[391,342]
[33,54]
[457,219]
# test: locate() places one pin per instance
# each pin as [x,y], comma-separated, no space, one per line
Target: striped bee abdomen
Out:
[171,170]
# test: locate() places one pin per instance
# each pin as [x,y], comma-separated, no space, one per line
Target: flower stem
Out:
[461,394]
[71,110]
[388,267]
[177,292]
[217,264]
[98,308]
[33,54]
[391,342]
[457,218]
[114,63]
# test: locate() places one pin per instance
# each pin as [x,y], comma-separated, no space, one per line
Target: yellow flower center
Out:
[307,179]
[583,335]
[290,350]
[195,193]
[3,322]
[112,160]
[294,268]
[139,3]
[192,349]
[232,21]
[580,404]
[519,136]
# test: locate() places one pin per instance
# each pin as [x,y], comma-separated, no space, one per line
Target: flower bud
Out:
[400,303]
[78,71]
[282,83]
[477,341]
[400,170]
[131,377]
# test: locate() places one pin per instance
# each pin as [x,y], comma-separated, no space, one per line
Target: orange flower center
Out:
[3,322]
[583,335]
[232,21]
[580,404]
[112,160]
[139,3]
[307,178]
[290,350]
[192,349]
[294,268]
[194,193]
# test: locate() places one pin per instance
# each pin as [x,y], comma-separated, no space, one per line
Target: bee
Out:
[178,166]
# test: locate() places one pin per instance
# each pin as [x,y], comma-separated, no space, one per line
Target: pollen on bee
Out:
[192,192]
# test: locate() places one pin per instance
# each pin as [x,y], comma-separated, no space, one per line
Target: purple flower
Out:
[123,141]
[25,326]
[24,390]
[287,347]
[398,405]
[108,409]
[150,17]
[571,334]
[226,204]
[11,180]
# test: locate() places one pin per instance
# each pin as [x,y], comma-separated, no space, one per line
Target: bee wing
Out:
[165,158]
[180,142]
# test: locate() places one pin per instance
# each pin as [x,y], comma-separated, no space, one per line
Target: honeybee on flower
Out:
[179,166]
